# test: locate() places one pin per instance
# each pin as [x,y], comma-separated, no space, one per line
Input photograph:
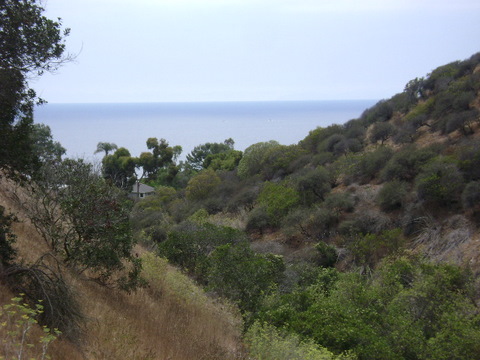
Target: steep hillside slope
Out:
[170,319]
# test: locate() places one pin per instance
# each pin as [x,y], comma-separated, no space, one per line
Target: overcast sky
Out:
[249,50]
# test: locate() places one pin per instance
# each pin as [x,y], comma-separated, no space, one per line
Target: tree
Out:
[119,168]
[197,159]
[382,131]
[254,158]
[201,185]
[440,182]
[227,160]
[44,147]
[162,156]
[239,274]
[83,219]
[278,200]
[105,146]
[30,44]
[313,184]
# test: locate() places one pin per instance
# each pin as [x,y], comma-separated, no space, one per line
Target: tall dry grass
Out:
[169,319]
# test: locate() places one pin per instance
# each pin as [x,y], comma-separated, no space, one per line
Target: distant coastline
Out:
[80,126]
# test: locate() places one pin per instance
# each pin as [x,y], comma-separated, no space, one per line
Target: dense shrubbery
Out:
[440,182]
[392,195]
[239,274]
[344,198]
[277,200]
[407,163]
[189,245]
[408,309]
[368,165]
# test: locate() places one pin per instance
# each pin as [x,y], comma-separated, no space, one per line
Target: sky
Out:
[254,50]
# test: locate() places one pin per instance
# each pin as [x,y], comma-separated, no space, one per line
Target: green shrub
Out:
[366,222]
[370,164]
[254,158]
[278,200]
[315,137]
[189,245]
[17,320]
[202,185]
[243,198]
[312,184]
[407,163]
[420,111]
[380,112]
[322,158]
[328,254]
[381,131]
[406,309]
[227,160]
[392,195]
[354,130]
[339,202]
[265,342]
[469,158]
[258,219]
[369,249]
[239,274]
[312,223]
[440,182]
[278,160]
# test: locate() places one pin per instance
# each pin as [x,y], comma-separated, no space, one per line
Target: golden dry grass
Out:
[170,319]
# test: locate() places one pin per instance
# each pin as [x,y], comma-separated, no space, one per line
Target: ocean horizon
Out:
[79,127]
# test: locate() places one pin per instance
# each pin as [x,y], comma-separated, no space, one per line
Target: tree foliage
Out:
[408,309]
[105,147]
[254,158]
[197,159]
[278,200]
[30,44]
[119,168]
[84,219]
[239,274]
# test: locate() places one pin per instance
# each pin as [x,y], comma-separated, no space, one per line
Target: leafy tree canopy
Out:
[197,159]
[30,44]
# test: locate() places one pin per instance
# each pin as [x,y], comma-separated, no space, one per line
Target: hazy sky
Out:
[229,50]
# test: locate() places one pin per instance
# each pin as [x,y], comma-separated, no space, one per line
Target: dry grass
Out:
[170,319]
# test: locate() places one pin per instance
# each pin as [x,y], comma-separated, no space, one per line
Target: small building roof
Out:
[142,188]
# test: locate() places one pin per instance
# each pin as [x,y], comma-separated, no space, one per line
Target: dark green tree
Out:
[197,159]
[119,168]
[382,131]
[239,274]
[161,158]
[30,44]
[44,147]
[84,219]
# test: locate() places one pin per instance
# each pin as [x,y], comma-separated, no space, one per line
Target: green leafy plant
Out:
[440,182]
[392,195]
[278,200]
[266,342]
[17,320]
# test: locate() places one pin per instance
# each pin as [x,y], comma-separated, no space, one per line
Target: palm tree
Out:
[105,146]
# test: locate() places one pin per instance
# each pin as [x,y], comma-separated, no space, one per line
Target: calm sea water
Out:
[79,127]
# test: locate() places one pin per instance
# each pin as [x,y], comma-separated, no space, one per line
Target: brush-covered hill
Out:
[359,242]
[331,238]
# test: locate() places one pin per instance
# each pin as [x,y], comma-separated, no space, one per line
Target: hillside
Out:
[362,241]
[170,319]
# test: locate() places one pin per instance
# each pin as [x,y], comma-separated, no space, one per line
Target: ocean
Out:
[79,127]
